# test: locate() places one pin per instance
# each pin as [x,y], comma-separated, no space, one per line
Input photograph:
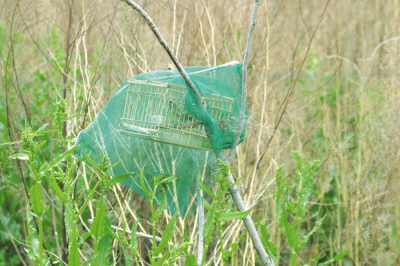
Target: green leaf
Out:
[73,257]
[326,263]
[57,189]
[42,127]
[96,229]
[89,262]
[162,260]
[234,215]
[168,179]
[203,187]
[128,258]
[209,225]
[160,209]
[314,260]
[191,260]
[271,248]
[289,231]
[105,245]
[111,166]
[237,181]
[166,235]
[134,246]
[341,255]
[40,145]
[68,221]
[33,242]
[97,166]
[88,198]
[45,132]
[206,204]
[10,143]
[143,185]
[83,238]
[307,237]
[116,179]
[57,160]
[36,199]
[21,156]
[73,117]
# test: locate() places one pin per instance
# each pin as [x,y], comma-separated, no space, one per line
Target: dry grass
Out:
[345,110]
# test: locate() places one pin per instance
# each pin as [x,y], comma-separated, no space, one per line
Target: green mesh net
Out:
[152,121]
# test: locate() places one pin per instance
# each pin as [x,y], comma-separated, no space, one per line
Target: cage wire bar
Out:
[156,111]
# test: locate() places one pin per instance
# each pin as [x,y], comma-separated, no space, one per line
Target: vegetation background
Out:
[344,111]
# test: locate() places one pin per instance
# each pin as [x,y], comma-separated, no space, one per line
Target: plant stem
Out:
[278,245]
[95,251]
[41,240]
[102,193]
[294,257]
[219,225]
[208,238]
[199,210]
[153,222]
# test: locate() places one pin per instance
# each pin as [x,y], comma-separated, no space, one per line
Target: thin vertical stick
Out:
[64,241]
[199,209]
[244,90]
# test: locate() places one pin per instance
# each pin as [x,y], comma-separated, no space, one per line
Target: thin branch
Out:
[244,90]
[196,95]
[64,241]
[292,88]
[168,49]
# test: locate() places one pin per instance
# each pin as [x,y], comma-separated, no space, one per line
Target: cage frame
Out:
[169,123]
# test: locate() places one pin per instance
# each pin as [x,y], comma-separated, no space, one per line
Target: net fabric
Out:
[152,121]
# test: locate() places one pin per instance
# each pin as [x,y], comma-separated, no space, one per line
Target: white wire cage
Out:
[156,111]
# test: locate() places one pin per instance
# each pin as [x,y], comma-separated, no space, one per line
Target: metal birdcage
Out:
[156,111]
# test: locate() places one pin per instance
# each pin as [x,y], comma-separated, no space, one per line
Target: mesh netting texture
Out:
[152,121]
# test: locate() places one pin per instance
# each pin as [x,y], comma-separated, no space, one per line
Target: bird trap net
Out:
[152,121]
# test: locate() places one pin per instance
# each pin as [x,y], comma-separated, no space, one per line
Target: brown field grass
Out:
[344,111]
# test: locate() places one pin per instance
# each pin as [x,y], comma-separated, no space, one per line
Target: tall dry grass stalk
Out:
[345,110]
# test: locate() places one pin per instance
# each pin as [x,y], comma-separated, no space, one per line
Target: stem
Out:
[199,209]
[278,245]
[153,220]
[41,249]
[219,225]
[102,192]
[95,251]
[294,258]
[64,255]
[208,239]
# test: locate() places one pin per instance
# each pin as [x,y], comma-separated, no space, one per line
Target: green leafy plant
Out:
[219,212]
[291,206]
